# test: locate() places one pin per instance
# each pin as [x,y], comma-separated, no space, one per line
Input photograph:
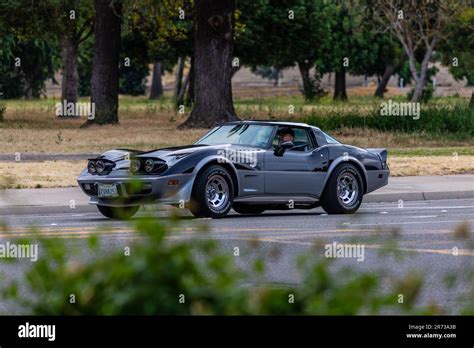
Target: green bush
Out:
[457,122]
[151,279]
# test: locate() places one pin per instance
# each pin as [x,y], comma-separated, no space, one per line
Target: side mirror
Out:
[280,149]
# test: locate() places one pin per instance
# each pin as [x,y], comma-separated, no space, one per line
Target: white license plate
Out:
[108,190]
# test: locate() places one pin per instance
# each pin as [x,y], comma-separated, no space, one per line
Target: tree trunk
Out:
[421,80]
[340,85]
[471,104]
[105,65]
[213,47]
[190,92]
[156,90]
[178,81]
[184,87]
[382,86]
[70,81]
[307,83]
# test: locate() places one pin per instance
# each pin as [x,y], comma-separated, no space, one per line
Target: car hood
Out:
[118,155]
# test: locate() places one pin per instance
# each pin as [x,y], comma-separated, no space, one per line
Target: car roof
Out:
[270,122]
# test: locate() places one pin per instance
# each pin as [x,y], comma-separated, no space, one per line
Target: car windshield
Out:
[255,135]
[330,140]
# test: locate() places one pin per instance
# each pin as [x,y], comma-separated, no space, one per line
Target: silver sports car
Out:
[250,166]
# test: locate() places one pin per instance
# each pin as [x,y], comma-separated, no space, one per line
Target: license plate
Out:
[108,190]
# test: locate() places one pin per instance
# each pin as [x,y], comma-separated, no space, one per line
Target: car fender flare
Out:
[351,160]
[219,160]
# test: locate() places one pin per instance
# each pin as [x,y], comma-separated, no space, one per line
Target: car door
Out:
[298,173]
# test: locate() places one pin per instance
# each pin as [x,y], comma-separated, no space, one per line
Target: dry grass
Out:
[64,173]
[435,165]
[40,174]
[34,130]
[32,126]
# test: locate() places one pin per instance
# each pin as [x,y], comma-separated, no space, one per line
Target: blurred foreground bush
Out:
[167,277]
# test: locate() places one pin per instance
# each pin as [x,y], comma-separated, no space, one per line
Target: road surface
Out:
[435,239]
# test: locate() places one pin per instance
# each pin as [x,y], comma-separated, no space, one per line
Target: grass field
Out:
[33,127]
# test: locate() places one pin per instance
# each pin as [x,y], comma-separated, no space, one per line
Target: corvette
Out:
[250,166]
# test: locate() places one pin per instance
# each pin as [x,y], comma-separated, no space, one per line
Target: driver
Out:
[285,134]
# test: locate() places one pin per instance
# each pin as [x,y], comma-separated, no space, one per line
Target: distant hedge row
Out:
[457,121]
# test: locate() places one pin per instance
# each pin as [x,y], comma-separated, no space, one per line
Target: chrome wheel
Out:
[217,192]
[347,189]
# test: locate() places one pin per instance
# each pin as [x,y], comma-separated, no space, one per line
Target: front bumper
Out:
[137,190]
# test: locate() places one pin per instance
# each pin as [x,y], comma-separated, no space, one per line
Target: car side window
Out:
[302,140]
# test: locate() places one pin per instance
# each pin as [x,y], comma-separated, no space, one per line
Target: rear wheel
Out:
[248,209]
[213,193]
[122,213]
[344,191]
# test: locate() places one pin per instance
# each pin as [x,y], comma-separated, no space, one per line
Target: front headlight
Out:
[91,167]
[135,165]
[100,166]
[149,165]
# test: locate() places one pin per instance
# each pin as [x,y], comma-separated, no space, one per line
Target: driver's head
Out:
[286,134]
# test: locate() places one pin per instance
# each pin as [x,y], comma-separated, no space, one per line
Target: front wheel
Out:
[122,213]
[213,193]
[344,191]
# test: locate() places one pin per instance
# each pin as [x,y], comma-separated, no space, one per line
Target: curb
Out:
[417,196]
[40,157]
[370,198]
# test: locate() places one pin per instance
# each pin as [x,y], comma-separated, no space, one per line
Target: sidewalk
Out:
[411,188]
[423,188]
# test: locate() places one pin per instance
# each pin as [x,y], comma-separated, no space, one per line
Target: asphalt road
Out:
[427,234]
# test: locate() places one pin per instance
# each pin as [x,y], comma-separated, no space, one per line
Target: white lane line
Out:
[422,216]
[412,222]
[396,207]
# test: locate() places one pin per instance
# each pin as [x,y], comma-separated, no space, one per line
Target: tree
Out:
[457,52]
[105,66]
[28,49]
[74,27]
[156,90]
[134,57]
[167,28]
[213,44]
[350,46]
[417,25]
[272,32]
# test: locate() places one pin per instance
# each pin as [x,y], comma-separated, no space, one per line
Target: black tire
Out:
[122,213]
[213,204]
[339,200]
[248,209]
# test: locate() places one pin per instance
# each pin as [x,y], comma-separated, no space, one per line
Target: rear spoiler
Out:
[383,153]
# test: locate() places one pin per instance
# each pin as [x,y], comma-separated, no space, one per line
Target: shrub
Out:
[457,122]
[158,271]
